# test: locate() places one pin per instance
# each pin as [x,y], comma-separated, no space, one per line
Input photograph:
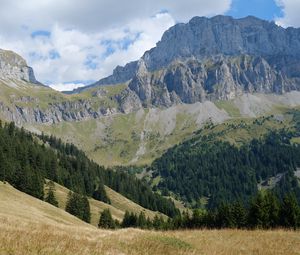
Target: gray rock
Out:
[215,58]
[13,66]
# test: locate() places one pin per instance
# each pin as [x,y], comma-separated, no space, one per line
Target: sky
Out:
[72,43]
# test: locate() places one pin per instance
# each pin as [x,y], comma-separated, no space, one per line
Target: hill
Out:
[31,226]
[119,204]
[226,162]
[17,205]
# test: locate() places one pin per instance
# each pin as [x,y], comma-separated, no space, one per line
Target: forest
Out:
[265,211]
[207,170]
[26,160]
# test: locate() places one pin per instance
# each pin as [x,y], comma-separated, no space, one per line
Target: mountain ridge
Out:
[216,58]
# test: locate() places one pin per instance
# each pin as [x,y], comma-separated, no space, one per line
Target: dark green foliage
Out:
[142,221]
[78,206]
[25,163]
[18,153]
[265,212]
[204,167]
[101,195]
[106,221]
[290,212]
[82,175]
[50,198]
[129,220]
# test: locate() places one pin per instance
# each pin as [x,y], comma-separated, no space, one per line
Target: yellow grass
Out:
[30,226]
[119,204]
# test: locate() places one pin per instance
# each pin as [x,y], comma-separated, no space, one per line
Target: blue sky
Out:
[264,9]
[72,43]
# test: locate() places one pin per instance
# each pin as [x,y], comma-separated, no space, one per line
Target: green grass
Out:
[229,107]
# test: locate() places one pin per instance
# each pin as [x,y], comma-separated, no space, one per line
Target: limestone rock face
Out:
[13,66]
[215,58]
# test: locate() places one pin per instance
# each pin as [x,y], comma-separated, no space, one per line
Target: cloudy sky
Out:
[70,43]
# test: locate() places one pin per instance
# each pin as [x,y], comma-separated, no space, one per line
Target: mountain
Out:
[216,58]
[13,66]
[215,166]
[210,69]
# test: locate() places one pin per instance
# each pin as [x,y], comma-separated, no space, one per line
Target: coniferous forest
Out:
[225,175]
[26,160]
[264,211]
[217,171]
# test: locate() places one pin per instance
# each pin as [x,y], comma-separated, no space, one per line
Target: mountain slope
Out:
[214,58]
[30,226]
[209,69]
[227,162]
[18,205]
[119,204]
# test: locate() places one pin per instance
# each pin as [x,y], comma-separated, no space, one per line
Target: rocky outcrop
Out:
[13,66]
[215,58]
[218,78]
[54,113]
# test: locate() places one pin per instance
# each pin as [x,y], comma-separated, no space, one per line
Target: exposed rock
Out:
[13,66]
[215,58]
[128,101]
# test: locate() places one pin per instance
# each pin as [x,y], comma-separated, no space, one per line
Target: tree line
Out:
[26,160]
[265,211]
[216,171]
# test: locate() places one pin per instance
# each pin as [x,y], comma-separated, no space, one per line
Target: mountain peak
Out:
[13,66]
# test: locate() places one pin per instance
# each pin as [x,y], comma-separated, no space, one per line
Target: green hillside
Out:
[226,162]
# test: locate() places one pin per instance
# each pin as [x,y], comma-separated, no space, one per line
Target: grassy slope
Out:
[119,204]
[30,226]
[18,205]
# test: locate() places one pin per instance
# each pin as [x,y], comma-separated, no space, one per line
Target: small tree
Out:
[106,221]
[142,221]
[100,194]
[78,206]
[50,198]
[290,212]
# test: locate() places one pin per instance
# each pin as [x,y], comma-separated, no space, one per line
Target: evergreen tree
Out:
[106,221]
[101,195]
[86,214]
[50,198]
[142,221]
[78,206]
[239,215]
[290,212]
[130,220]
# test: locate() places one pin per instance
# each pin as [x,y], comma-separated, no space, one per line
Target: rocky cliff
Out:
[214,58]
[13,66]
[207,59]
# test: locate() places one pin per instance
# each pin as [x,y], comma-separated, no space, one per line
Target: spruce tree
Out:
[106,221]
[78,206]
[50,198]
[290,212]
[142,222]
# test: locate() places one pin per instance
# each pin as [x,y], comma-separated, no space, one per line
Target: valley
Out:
[194,148]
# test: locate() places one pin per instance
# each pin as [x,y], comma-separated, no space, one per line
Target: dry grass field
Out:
[119,204]
[30,226]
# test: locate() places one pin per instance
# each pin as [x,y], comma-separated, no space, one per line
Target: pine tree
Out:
[86,214]
[106,221]
[239,215]
[142,222]
[78,206]
[50,198]
[290,212]
[100,194]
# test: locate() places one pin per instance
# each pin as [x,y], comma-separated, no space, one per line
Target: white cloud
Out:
[291,10]
[88,39]
[66,86]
